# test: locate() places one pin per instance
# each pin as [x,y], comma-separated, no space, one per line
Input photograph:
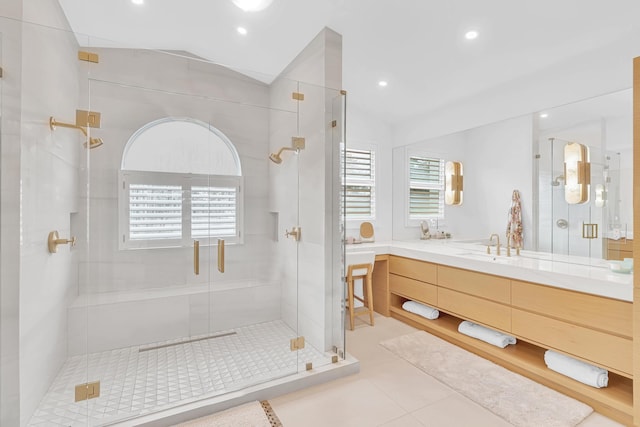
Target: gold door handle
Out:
[196,257]
[221,255]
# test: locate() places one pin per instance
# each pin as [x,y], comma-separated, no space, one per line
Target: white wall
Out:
[10,112]
[49,164]
[496,160]
[365,132]
[309,306]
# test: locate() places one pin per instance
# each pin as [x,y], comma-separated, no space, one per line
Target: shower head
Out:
[275,158]
[297,145]
[92,143]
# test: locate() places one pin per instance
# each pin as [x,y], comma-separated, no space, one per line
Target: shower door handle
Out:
[221,255]
[196,257]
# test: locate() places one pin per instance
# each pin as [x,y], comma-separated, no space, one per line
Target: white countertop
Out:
[591,276]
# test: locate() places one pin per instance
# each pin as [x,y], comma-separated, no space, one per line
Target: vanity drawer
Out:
[596,312]
[598,347]
[483,285]
[413,289]
[486,312]
[419,270]
[620,245]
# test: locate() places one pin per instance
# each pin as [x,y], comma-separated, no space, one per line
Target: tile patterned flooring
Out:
[137,382]
[388,392]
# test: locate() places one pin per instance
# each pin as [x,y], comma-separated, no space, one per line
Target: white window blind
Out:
[360,184]
[426,187]
[213,211]
[155,212]
[163,209]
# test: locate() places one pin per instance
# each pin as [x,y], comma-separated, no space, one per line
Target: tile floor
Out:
[134,382]
[387,392]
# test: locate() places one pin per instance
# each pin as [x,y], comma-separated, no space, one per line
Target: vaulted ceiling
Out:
[417,46]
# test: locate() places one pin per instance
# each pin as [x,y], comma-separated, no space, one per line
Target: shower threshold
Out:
[170,377]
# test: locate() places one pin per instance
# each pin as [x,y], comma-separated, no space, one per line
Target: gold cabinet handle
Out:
[221,255]
[196,257]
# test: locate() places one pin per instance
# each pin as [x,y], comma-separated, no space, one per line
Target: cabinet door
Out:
[488,313]
[483,285]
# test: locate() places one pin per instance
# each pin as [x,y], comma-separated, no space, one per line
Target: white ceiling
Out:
[418,46]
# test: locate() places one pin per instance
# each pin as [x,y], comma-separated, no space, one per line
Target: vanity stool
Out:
[360,266]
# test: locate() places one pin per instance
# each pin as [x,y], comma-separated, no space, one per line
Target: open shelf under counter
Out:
[524,358]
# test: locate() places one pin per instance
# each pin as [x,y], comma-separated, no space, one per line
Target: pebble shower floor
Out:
[134,382]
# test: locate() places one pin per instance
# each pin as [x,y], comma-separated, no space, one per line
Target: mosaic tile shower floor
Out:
[134,382]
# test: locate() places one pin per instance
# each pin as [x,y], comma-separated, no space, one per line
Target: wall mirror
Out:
[575,209]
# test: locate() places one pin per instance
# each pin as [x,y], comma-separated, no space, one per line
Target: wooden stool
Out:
[360,266]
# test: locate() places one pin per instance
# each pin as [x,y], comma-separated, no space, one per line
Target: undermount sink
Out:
[501,259]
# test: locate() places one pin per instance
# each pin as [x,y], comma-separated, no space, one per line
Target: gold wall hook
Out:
[54,240]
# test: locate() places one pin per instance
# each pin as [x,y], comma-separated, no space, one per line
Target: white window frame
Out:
[415,220]
[186,181]
[364,182]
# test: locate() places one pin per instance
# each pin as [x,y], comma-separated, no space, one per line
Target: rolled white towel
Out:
[485,334]
[421,309]
[576,369]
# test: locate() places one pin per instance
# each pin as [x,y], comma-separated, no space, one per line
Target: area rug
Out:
[519,400]
[252,414]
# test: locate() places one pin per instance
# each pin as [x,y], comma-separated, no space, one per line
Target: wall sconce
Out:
[577,173]
[453,183]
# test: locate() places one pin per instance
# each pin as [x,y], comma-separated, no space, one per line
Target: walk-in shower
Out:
[122,328]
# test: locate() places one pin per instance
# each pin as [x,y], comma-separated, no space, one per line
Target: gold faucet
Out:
[497,244]
[509,238]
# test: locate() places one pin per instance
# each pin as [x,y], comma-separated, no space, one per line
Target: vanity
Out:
[545,301]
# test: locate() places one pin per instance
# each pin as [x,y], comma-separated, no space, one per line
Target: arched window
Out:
[180,181]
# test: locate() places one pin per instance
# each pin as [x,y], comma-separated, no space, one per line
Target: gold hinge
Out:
[334,123]
[0,72]
[298,96]
[87,118]
[334,359]
[343,92]
[297,343]
[87,391]
[88,56]
[309,366]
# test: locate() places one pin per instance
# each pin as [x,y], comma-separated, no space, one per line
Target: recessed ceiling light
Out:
[252,5]
[544,115]
[470,35]
[242,30]
[382,83]
[137,1]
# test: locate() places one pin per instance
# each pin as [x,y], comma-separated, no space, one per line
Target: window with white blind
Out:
[360,184]
[426,188]
[180,180]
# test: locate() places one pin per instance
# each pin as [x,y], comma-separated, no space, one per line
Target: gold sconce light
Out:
[453,183]
[577,173]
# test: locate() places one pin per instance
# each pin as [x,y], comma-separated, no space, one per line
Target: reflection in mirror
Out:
[595,223]
[526,153]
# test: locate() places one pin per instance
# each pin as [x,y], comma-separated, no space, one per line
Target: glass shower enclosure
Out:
[194,258]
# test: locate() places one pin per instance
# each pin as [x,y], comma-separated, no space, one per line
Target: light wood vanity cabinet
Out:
[592,328]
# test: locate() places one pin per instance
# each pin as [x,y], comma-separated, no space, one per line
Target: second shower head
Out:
[297,143]
[90,143]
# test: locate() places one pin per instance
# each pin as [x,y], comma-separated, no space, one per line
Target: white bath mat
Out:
[517,399]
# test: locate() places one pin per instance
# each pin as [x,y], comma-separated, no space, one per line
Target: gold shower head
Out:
[92,143]
[298,144]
